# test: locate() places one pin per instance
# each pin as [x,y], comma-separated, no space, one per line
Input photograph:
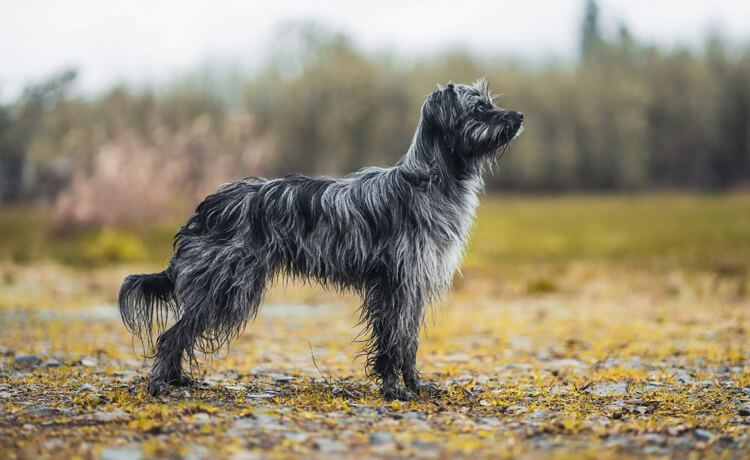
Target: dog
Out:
[394,235]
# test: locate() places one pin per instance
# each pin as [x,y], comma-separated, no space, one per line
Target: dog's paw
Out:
[158,387]
[422,388]
[181,381]
[427,389]
[398,393]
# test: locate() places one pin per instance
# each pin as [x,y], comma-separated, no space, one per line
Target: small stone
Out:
[7,351]
[703,435]
[483,379]
[51,363]
[53,443]
[653,438]
[683,443]
[5,394]
[296,436]
[261,395]
[235,387]
[126,453]
[26,361]
[411,415]
[420,425]
[744,410]
[557,390]
[41,411]
[558,364]
[516,409]
[197,452]
[283,378]
[246,455]
[87,387]
[381,437]
[87,362]
[422,445]
[115,415]
[328,445]
[201,418]
[609,389]
[620,441]
[652,450]
[488,421]
[683,376]
[368,411]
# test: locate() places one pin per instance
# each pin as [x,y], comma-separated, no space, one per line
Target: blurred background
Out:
[115,121]
[603,303]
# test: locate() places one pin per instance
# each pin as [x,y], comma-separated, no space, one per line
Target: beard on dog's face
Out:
[469,121]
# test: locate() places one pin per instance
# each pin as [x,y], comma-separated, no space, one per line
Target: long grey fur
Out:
[395,235]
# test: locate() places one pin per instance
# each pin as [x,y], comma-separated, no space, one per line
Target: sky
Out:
[153,42]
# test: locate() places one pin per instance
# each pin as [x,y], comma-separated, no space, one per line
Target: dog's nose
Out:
[520,116]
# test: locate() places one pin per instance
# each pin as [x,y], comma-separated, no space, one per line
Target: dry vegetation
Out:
[581,327]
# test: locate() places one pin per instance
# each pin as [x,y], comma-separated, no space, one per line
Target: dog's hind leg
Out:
[217,302]
[167,368]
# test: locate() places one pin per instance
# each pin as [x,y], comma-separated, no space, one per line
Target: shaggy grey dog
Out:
[394,235]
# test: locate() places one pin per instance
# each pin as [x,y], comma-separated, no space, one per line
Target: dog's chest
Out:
[443,257]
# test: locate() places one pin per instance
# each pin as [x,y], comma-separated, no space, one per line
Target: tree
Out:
[590,32]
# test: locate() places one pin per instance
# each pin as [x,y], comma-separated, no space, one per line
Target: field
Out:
[580,327]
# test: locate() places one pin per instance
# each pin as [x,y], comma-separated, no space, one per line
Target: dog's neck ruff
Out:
[452,188]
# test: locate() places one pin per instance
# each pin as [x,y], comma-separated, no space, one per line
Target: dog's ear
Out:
[440,110]
[481,86]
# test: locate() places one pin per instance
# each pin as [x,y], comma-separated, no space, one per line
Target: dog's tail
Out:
[145,303]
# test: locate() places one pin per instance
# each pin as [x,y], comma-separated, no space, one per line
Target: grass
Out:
[696,230]
[582,327]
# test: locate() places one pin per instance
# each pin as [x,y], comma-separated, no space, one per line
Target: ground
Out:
[580,328]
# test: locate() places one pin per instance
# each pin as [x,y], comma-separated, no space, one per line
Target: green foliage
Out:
[111,246]
[627,117]
[541,286]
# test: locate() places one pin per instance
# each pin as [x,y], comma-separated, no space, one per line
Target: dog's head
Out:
[465,117]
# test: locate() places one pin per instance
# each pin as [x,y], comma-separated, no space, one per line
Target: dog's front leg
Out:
[389,331]
[386,366]
[412,380]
